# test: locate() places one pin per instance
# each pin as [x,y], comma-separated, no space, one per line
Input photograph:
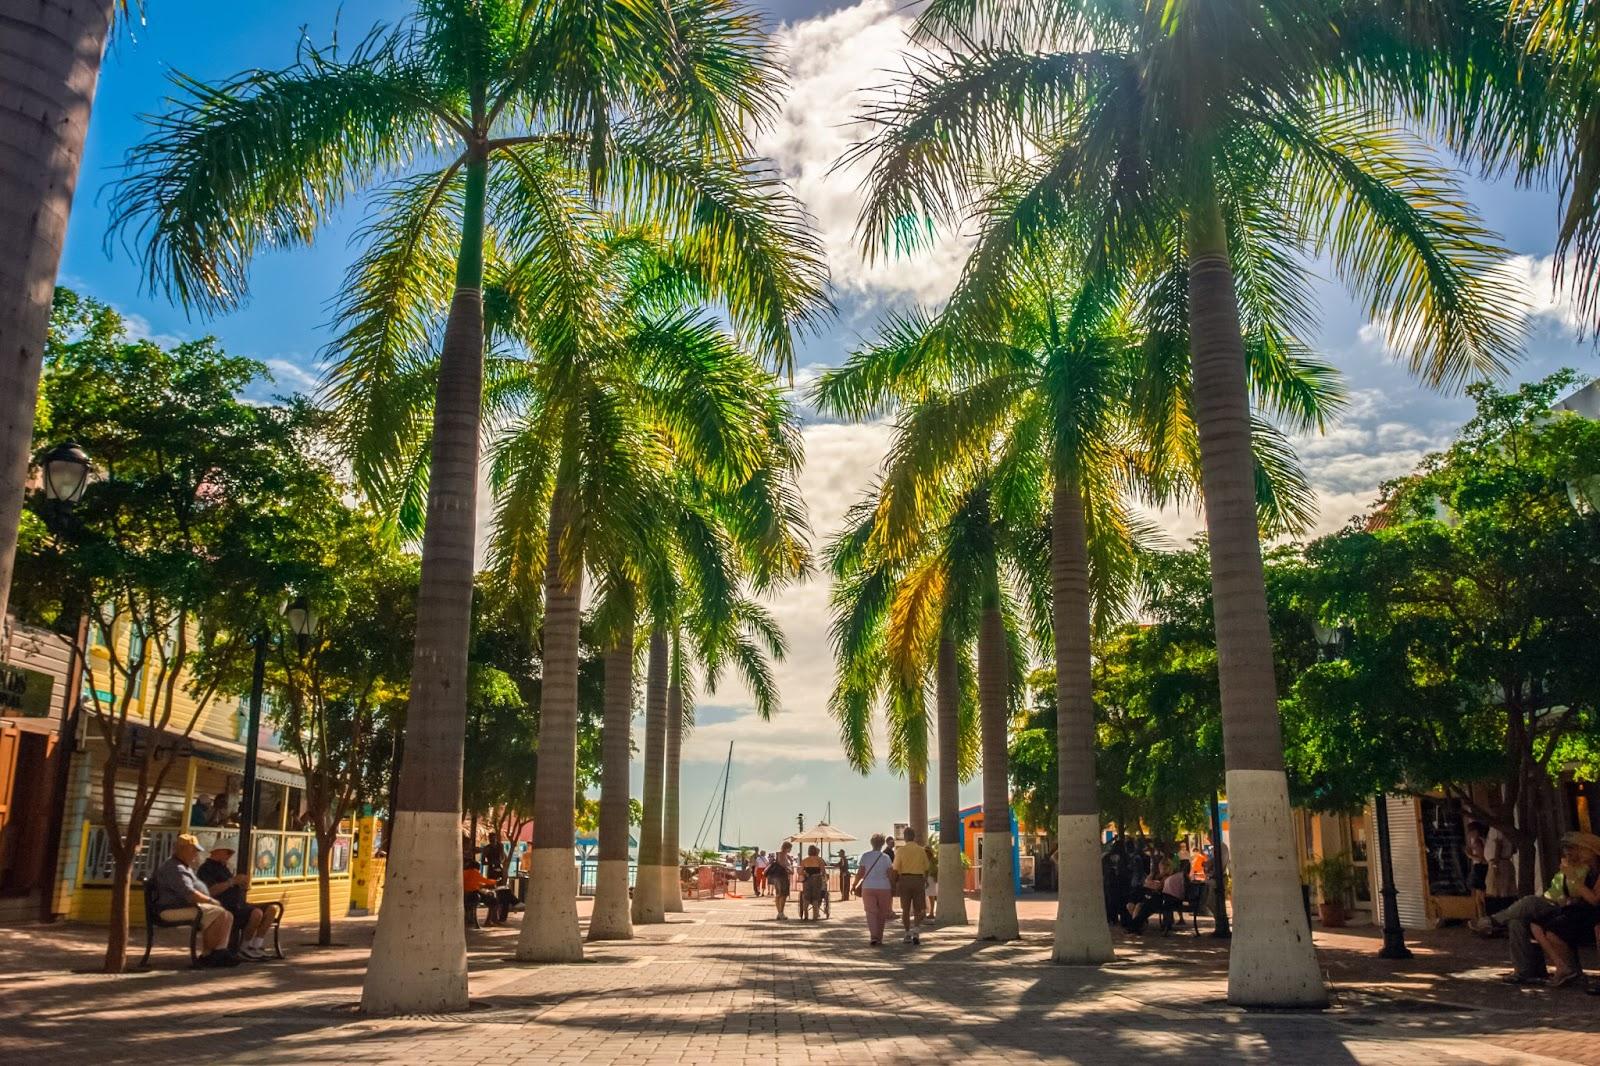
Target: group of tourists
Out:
[1545,930]
[886,873]
[216,896]
[1142,880]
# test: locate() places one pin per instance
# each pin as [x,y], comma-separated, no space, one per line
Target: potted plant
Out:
[1335,875]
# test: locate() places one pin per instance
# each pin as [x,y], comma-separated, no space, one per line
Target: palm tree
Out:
[610,918]
[1110,122]
[474,102]
[53,51]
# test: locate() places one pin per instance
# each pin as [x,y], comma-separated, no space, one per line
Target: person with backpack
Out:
[875,889]
[779,870]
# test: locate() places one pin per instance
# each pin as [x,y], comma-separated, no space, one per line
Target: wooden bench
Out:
[154,921]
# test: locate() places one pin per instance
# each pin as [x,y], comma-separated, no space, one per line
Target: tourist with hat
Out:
[230,889]
[181,895]
[1542,927]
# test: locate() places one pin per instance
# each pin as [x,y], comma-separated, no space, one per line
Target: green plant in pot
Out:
[1335,875]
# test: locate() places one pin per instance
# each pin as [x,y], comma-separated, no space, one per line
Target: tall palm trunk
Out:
[647,902]
[419,952]
[997,899]
[1272,961]
[1081,934]
[671,883]
[550,921]
[610,920]
[51,53]
[917,802]
[952,907]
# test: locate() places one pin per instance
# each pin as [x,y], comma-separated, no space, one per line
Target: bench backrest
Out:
[150,900]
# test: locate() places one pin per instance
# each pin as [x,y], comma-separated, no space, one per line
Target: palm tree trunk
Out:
[671,883]
[1081,933]
[997,900]
[610,920]
[647,902]
[917,801]
[550,918]
[1272,961]
[952,906]
[419,952]
[52,51]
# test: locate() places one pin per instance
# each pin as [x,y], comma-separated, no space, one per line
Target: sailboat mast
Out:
[727,772]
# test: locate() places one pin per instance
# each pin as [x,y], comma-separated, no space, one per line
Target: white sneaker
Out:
[249,951]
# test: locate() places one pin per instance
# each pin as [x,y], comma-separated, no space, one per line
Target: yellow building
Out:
[204,774]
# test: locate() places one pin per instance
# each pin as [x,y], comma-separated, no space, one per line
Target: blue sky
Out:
[790,766]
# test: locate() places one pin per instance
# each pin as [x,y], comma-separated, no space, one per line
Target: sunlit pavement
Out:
[726,983]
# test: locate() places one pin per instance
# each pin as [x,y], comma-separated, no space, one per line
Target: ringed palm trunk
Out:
[647,902]
[419,952]
[550,920]
[952,905]
[917,799]
[52,51]
[671,883]
[1272,961]
[997,898]
[610,920]
[1081,934]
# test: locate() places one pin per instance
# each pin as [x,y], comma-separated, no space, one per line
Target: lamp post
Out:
[1394,937]
[1218,874]
[303,622]
[1331,642]
[66,472]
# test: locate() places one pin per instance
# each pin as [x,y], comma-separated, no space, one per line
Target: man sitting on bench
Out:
[229,888]
[180,893]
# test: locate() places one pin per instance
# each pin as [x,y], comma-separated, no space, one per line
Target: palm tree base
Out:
[997,899]
[550,917]
[610,920]
[671,890]
[1082,937]
[418,963]
[1272,961]
[952,906]
[648,906]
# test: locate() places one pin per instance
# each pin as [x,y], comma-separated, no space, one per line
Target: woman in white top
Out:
[872,881]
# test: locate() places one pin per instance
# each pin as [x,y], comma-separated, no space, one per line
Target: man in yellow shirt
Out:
[911,884]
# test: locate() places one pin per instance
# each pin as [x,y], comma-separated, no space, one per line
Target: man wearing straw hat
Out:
[1546,925]
[180,895]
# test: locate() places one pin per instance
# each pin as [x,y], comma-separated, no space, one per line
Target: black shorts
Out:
[1480,876]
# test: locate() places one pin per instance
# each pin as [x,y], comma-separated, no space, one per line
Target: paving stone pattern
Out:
[725,983]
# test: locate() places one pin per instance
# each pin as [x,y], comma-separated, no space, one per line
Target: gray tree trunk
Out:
[50,52]
[610,920]
[1081,933]
[952,906]
[648,907]
[997,900]
[671,884]
[1272,961]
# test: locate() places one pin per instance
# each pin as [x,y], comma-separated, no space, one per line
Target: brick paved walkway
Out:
[725,983]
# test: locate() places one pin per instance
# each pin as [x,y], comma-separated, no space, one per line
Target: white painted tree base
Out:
[550,917]
[952,906]
[648,906]
[1272,961]
[1082,937]
[418,963]
[997,895]
[671,890]
[610,920]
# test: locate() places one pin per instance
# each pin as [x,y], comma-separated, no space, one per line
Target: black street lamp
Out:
[1218,873]
[66,472]
[303,621]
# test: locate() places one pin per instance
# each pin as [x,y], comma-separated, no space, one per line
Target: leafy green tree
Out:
[1215,145]
[193,513]
[475,111]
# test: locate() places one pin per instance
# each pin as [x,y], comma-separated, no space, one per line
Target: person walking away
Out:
[911,883]
[1536,924]
[813,884]
[872,882]
[778,872]
[759,878]
[844,877]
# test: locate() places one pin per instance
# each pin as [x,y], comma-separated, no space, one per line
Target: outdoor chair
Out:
[154,921]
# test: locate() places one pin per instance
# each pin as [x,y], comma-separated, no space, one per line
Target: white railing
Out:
[278,856]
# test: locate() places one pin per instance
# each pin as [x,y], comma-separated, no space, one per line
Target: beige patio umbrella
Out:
[822,834]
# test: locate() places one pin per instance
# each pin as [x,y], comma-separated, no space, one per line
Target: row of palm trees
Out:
[577,258]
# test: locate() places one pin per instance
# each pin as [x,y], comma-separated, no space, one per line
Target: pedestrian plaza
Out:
[725,983]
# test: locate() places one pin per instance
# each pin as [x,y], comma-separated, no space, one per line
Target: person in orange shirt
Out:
[1197,866]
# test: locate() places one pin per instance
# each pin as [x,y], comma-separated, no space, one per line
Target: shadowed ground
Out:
[725,983]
